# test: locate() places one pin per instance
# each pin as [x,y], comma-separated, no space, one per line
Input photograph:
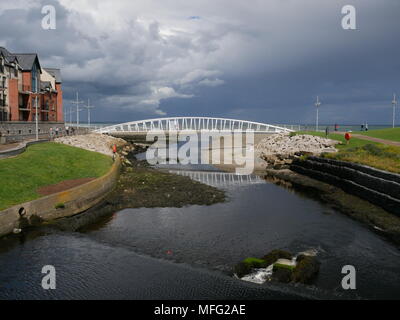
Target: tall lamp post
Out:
[70,112]
[88,107]
[394,103]
[317,104]
[77,102]
[36,113]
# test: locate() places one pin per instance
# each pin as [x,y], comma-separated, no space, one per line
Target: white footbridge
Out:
[193,124]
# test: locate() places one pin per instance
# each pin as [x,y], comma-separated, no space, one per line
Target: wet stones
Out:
[275,255]
[279,266]
[306,269]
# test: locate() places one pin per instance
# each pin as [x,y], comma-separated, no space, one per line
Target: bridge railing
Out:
[196,124]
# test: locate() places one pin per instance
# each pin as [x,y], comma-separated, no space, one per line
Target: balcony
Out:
[26,89]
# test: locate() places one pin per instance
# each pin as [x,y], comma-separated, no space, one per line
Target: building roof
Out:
[5,52]
[27,60]
[9,57]
[56,73]
[24,60]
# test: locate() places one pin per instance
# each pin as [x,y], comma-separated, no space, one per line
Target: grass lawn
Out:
[354,142]
[46,164]
[387,134]
[365,152]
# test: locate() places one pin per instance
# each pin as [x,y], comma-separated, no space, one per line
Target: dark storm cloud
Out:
[259,60]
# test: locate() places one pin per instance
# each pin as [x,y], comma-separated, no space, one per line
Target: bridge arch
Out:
[192,124]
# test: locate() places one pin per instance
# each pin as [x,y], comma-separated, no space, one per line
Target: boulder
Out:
[282,147]
[282,272]
[306,269]
[276,254]
[247,265]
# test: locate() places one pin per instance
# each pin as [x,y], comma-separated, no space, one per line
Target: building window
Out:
[3,115]
[34,78]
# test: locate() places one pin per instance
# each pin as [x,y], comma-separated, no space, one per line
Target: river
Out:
[189,252]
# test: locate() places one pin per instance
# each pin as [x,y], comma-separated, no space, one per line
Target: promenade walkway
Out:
[363,137]
[10,146]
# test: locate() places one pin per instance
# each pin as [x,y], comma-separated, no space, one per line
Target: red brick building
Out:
[27,90]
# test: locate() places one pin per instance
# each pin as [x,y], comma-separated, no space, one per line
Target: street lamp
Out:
[394,103]
[317,104]
[77,102]
[68,113]
[88,107]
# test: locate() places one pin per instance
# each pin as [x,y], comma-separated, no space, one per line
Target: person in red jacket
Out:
[114,149]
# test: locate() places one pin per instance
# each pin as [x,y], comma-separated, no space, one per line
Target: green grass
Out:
[379,156]
[354,142]
[387,134]
[46,164]
[365,152]
[254,262]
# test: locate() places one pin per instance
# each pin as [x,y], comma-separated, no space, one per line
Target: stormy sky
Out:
[262,60]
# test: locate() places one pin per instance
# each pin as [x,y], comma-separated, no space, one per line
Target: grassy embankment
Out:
[365,152]
[46,164]
[387,134]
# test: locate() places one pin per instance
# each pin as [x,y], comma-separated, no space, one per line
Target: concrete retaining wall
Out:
[75,200]
[19,149]
[376,186]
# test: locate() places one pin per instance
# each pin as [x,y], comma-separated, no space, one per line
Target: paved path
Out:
[362,137]
[5,147]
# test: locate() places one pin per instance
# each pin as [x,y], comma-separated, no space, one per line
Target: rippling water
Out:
[184,253]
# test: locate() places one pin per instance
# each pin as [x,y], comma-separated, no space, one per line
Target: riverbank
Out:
[376,155]
[141,186]
[376,218]
[92,142]
[365,150]
[46,165]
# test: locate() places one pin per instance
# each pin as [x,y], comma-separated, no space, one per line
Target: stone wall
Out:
[18,131]
[376,186]
[75,200]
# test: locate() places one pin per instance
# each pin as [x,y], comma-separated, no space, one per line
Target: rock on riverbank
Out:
[92,142]
[280,149]
[280,266]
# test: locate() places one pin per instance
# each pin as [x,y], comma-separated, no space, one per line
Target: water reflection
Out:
[220,179]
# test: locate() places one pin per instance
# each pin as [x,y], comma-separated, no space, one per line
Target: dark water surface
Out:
[187,253]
